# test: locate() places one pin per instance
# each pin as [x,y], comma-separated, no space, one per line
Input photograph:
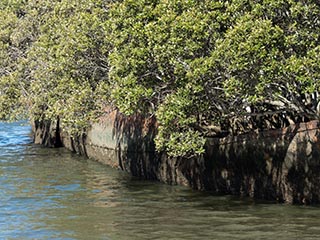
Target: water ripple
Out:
[54,194]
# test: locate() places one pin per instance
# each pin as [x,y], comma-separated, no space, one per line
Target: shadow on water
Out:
[54,194]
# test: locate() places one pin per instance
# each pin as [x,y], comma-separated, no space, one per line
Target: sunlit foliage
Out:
[203,68]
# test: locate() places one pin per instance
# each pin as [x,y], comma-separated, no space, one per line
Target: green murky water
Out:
[53,194]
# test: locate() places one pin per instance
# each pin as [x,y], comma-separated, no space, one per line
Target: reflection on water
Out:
[53,194]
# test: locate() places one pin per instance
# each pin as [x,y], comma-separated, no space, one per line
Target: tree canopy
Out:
[202,68]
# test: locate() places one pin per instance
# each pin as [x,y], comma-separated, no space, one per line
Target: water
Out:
[54,194]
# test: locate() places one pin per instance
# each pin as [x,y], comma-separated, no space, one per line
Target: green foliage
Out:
[16,6]
[66,62]
[9,86]
[198,66]
[176,115]
[158,47]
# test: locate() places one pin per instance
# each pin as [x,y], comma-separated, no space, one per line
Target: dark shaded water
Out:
[53,194]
